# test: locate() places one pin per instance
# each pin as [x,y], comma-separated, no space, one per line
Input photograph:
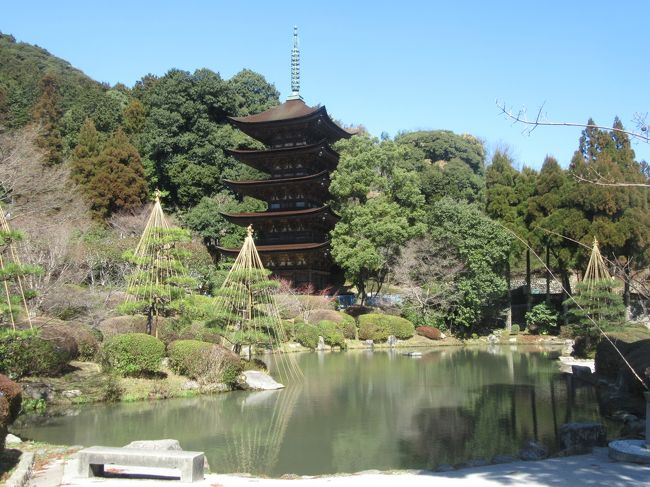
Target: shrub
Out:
[379,327]
[344,322]
[205,362]
[133,354]
[306,335]
[541,319]
[10,400]
[25,353]
[430,332]
[514,329]
[331,333]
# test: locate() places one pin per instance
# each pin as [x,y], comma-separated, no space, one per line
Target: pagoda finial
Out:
[249,230]
[157,194]
[295,67]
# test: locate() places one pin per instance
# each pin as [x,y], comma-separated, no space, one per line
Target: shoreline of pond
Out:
[86,383]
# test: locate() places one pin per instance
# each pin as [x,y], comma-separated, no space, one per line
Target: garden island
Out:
[306,298]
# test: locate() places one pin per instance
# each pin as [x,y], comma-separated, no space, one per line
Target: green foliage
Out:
[515,329]
[186,130]
[595,305]
[25,353]
[541,319]
[483,247]
[186,357]
[133,354]
[379,327]
[306,334]
[331,333]
[205,362]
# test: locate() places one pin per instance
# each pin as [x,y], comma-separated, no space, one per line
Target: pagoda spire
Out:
[295,68]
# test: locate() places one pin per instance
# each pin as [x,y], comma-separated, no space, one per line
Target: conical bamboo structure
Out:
[159,277]
[246,308]
[596,268]
[8,261]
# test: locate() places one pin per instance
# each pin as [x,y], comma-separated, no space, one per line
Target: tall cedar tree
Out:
[83,164]
[47,113]
[117,182]
[617,216]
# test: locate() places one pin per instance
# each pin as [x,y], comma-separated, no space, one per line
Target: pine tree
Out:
[159,286]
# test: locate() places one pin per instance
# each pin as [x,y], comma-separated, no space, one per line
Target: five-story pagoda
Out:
[293,233]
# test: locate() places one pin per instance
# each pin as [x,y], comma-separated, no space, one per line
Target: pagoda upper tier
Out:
[296,192]
[291,124]
[297,160]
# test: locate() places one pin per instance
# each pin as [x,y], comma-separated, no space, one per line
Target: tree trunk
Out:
[626,293]
[509,312]
[548,275]
[529,294]
[566,284]
[150,313]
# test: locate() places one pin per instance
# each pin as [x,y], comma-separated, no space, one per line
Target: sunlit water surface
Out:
[355,411]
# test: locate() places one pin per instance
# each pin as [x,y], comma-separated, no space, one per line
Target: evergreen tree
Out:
[117,182]
[47,113]
[83,165]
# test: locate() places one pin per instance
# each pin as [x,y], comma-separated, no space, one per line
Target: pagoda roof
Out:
[249,218]
[265,249]
[292,112]
[274,181]
[260,159]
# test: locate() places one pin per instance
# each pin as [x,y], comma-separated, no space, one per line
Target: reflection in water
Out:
[355,411]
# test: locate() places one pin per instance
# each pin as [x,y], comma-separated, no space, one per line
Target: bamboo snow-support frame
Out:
[596,268]
[250,308]
[13,255]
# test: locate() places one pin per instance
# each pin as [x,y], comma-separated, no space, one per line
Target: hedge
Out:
[205,362]
[26,353]
[331,333]
[133,354]
[379,327]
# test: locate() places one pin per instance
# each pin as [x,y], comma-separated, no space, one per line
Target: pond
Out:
[354,411]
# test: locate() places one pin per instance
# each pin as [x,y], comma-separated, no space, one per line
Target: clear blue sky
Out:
[390,66]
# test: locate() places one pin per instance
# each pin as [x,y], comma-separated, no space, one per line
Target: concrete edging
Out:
[23,471]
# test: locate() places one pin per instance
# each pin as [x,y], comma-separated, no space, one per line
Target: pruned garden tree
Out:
[159,285]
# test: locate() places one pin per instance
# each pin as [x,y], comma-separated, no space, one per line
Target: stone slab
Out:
[93,460]
[629,451]
[259,381]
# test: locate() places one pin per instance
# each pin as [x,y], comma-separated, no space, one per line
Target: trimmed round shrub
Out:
[25,353]
[133,354]
[378,327]
[12,392]
[430,332]
[204,362]
[515,329]
[344,322]
[331,334]
[306,335]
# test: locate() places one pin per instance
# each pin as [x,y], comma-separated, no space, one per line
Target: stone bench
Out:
[92,461]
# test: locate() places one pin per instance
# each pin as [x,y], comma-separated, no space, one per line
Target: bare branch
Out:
[520,117]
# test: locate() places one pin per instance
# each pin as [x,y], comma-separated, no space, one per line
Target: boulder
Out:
[321,344]
[533,450]
[493,339]
[369,343]
[71,393]
[392,341]
[12,440]
[259,381]
[167,444]
[582,437]
[38,390]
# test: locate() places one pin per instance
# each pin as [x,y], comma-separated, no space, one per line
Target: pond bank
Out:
[591,469]
[86,383]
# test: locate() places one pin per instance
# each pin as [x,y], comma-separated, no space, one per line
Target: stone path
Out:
[595,470]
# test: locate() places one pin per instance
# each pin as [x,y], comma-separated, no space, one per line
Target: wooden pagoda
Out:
[293,233]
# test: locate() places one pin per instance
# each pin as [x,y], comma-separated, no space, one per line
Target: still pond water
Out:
[355,411]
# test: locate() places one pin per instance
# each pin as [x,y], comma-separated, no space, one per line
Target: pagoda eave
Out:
[269,249]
